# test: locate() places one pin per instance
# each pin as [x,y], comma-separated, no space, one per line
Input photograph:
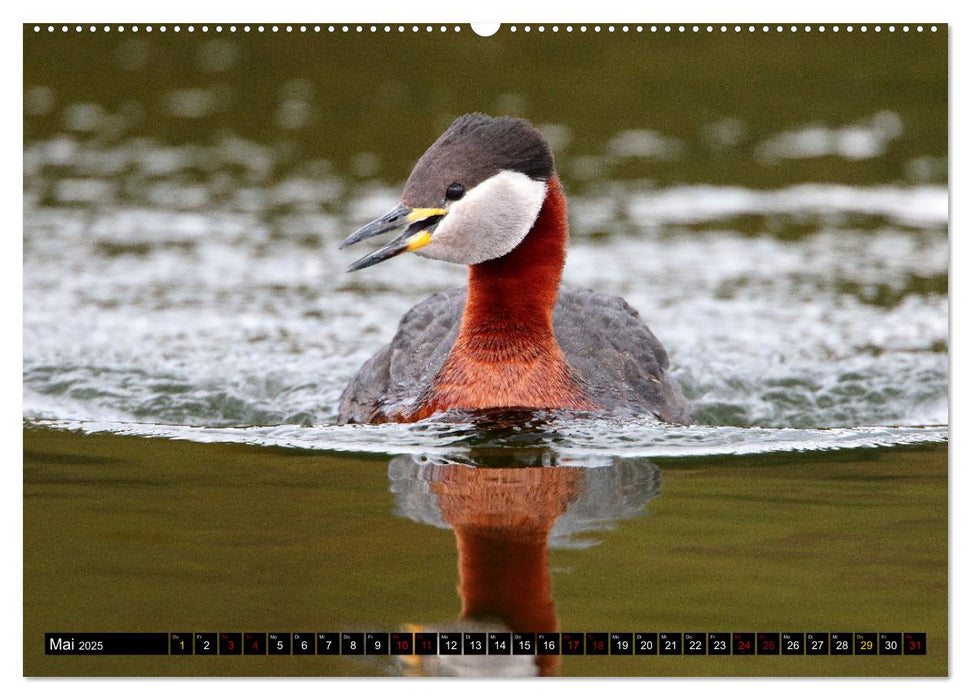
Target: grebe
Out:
[486,195]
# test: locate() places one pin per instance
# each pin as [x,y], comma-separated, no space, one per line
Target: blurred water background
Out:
[783,231]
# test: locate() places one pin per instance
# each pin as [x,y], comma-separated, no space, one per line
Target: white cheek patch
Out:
[489,221]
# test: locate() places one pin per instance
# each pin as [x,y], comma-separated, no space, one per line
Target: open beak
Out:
[418,224]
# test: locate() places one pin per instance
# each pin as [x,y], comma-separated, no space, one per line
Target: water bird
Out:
[485,194]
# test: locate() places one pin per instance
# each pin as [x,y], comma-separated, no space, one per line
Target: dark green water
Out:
[134,534]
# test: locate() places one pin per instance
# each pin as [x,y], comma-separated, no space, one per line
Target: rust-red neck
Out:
[519,289]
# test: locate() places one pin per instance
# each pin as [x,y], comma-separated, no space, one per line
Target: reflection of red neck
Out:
[504,573]
[506,354]
[502,519]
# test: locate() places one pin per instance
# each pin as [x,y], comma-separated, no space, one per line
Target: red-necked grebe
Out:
[486,195]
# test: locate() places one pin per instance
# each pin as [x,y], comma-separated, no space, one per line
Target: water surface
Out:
[139,534]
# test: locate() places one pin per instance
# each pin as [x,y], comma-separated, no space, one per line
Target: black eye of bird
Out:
[454,191]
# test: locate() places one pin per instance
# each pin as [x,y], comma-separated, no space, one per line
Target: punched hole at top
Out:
[485,28]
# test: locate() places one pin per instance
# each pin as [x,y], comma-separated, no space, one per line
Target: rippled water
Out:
[215,319]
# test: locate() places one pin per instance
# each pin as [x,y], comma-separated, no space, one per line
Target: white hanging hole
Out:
[485,28]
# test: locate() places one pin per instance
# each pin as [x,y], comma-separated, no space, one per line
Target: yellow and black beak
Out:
[418,222]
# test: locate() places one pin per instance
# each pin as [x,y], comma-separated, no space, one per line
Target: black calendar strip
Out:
[486,643]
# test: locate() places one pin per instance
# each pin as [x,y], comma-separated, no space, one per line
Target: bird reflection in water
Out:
[506,520]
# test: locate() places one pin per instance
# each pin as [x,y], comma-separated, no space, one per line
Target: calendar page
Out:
[543,349]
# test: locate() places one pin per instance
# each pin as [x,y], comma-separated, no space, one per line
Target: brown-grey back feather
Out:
[613,353]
